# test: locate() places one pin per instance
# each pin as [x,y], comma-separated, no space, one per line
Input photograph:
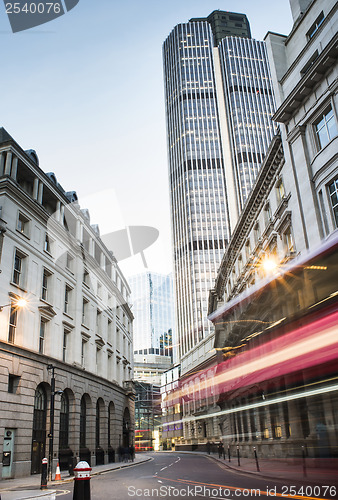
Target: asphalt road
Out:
[181,476]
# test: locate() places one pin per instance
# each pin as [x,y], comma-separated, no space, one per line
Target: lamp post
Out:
[51,419]
[19,304]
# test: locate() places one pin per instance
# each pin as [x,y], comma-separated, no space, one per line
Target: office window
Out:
[83,352]
[99,290]
[47,245]
[18,268]
[257,232]
[98,359]
[65,345]
[23,224]
[325,127]
[333,191]
[110,330]
[267,213]
[13,317]
[45,284]
[98,320]
[288,241]
[84,310]
[69,261]
[68,291]
[280,190]
[315,26]
[13,383]
[42,336]
[247,249]
[86,277]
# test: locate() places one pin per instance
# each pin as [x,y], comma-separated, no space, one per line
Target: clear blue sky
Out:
[86,92]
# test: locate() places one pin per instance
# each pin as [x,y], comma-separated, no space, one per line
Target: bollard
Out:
[229,453]
[238,457]
[44,468]
[256,458]
[304,462]
[82,481]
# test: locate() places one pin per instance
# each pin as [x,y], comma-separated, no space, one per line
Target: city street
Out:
[174,475]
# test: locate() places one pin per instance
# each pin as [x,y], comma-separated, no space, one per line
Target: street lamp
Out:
[20,303]
[269,263]
[51,428]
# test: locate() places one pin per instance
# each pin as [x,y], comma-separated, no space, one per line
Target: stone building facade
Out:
[75,331]
[280,268]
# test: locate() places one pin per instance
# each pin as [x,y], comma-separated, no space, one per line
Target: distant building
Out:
[172,425]
[77,325]
[219,103]
[152,299]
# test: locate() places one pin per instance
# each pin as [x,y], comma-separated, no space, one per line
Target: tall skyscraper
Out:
[152,299]
[218,105]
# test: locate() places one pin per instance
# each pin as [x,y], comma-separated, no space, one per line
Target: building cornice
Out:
[311,78]
[208,363]
[271,166]
[36,357]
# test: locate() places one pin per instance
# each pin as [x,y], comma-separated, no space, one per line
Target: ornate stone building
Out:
[67,357]
[275,294]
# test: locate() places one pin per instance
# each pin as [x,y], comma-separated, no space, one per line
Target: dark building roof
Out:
[225,23]
[4,136]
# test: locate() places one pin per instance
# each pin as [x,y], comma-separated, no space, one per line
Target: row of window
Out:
[23,226]
[18,279]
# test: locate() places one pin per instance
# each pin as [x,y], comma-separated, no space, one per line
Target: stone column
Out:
[79,229]
[40,193]
[8,164]
[14,168]
[58,208]
[62,213]
[2,163]
[35,188]
[91,246]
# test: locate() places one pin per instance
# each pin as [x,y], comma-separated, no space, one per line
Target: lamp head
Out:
[269,264]
[21,303]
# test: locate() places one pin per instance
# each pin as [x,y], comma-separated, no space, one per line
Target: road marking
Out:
[234,488]
[60,493]
[122,467]
[164,468]
[160,481]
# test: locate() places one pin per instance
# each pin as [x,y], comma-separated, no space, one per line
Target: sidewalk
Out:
[25,487]
[288,469]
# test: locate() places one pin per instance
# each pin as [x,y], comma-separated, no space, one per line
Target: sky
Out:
[86,92]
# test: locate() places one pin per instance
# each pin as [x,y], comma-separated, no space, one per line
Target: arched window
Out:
[64,422]
[83,416]
[39,429]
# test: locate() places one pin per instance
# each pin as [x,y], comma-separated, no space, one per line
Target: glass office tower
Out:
[250,102]
[205,169]
[152,299]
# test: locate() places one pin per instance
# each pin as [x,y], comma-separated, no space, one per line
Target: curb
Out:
[104,471]
[253,473]
[71,479]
